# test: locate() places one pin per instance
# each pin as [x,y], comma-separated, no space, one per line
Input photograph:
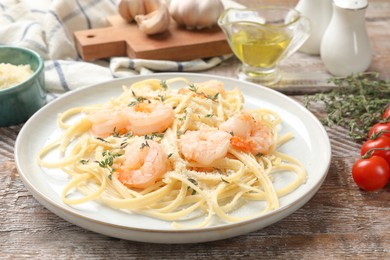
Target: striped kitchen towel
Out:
[47,26]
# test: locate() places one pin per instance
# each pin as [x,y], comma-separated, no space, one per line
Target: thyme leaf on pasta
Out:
[193,182]
[108,161]
[115,133]
[83,161]
[163,84]
[213,97]
[192,88]
[143,145]
[162,97]
[153,135]
[102,139]
[225,181]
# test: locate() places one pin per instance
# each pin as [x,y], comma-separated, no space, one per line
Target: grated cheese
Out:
[11,75]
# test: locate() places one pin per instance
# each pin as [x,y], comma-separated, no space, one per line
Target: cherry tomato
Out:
[382,142]
[371,174]
[386,114]
[380,127]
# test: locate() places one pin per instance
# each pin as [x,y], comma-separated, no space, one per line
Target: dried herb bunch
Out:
[356,104]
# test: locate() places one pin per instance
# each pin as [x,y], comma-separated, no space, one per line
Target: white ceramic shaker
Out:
[345,46]
[319,12]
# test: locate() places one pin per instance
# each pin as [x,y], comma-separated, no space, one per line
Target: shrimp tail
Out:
[241,143]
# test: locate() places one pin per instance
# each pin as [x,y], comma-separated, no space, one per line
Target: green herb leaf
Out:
[195,183]
[84,161]
[193,88]
[143,145]
[213,98]
[225,180]
[108,160]
[163,84]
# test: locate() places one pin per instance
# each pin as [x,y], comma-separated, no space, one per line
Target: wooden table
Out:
[340,221]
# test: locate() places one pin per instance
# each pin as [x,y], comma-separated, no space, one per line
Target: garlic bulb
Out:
[128,9]
[196,14]
[152,16]
[155,21]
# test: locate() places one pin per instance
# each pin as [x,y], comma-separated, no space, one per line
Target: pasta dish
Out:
[174,155]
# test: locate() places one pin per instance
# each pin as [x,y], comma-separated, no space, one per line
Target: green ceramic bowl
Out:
[19,102]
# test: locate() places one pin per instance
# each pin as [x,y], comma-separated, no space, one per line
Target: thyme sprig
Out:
[194,89]
[357,103]
[163,84]
[107,162]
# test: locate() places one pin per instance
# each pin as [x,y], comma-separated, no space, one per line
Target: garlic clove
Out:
[155,22]
[196,14]
[128,9]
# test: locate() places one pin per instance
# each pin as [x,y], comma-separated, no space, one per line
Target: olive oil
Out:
[260,48]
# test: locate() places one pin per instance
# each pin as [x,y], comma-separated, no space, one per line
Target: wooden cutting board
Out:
[125,39]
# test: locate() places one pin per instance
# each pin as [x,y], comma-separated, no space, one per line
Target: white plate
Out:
[310,146]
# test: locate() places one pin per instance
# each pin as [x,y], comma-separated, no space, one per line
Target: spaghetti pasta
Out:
[174,155]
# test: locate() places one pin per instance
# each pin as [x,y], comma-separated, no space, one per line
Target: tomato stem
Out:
[385,120]
[378,134]
[369,153]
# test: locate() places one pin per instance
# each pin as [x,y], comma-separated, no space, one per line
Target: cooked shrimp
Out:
[141,119]
[204,146]
[249,133]
[146,118]
[105,122]
[145,163]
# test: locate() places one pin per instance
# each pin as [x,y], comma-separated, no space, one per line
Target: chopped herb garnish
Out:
[133,103]
[231,133]
[160,135]
[224,180]
[209,115]
[123,145]
[115,133]
[163,84]
[162,97]
[193,182]
[153,135]
[129,134]
[101,139]
[170,155]
[179,133]
[138,99]
[108,160]
[84,161]
[143,145]
[193,88]
[141,99]
[213,98]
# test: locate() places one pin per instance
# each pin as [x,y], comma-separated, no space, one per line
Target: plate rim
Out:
[35,192]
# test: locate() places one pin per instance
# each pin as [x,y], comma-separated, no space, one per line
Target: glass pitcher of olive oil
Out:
[262,37]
